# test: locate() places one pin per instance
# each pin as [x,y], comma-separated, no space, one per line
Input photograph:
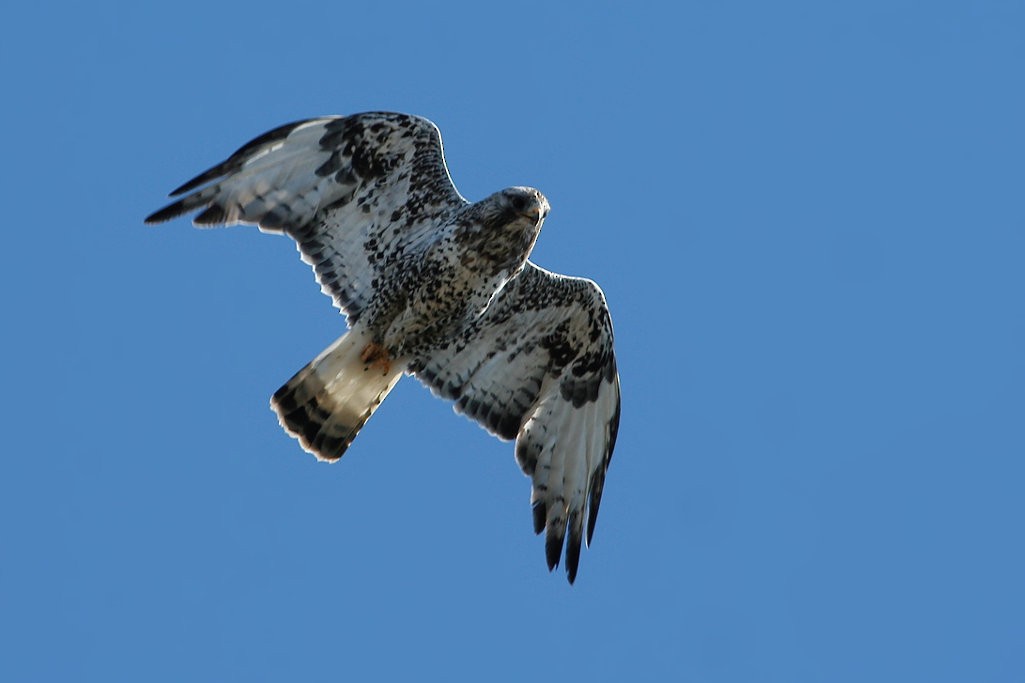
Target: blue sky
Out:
[808,222]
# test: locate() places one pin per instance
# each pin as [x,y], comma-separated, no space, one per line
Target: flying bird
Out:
[434,286]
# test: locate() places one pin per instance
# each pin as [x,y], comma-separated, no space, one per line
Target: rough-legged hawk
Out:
[433,286]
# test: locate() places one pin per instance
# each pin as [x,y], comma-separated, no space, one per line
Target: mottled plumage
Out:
[434,286]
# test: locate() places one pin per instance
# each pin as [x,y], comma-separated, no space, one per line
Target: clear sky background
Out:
[809,223]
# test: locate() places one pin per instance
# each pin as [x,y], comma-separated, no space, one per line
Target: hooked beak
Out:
[538,211]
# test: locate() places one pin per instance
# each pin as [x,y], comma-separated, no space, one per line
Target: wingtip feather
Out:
[573,546]
[553,548]
[212,215]
[540,514]
[203,178]
[169,212]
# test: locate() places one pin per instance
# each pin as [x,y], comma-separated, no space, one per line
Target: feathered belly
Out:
[439,308]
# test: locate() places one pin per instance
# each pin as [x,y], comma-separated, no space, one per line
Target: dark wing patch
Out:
[357,193]
[539,367]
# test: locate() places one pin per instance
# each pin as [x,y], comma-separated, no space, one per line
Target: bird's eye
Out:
[519,202]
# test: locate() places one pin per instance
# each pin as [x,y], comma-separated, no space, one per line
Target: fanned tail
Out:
[327,402]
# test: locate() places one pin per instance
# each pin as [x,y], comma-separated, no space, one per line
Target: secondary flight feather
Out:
[434,286]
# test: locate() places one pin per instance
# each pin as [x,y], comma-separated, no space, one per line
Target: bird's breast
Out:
[447,294]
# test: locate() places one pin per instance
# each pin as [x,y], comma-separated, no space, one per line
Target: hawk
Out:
[436,287]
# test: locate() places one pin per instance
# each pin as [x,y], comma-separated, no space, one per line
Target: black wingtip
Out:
[573,549]
[165,214]
[540,512]
[596,503]
[553,549]
[597,484]
[191,185]
[203,178]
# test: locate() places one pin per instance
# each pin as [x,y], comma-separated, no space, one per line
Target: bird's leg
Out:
[376,356]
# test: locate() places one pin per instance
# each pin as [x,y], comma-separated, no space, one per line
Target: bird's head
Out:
[523,203]
[508,223]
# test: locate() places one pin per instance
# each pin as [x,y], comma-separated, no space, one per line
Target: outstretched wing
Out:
[539,367]
[358,194]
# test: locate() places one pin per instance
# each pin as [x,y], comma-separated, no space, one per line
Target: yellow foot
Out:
[376,356]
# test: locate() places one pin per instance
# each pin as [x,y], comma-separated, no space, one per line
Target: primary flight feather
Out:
[433,286]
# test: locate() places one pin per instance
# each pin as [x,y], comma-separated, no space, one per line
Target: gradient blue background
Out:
[807,217]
